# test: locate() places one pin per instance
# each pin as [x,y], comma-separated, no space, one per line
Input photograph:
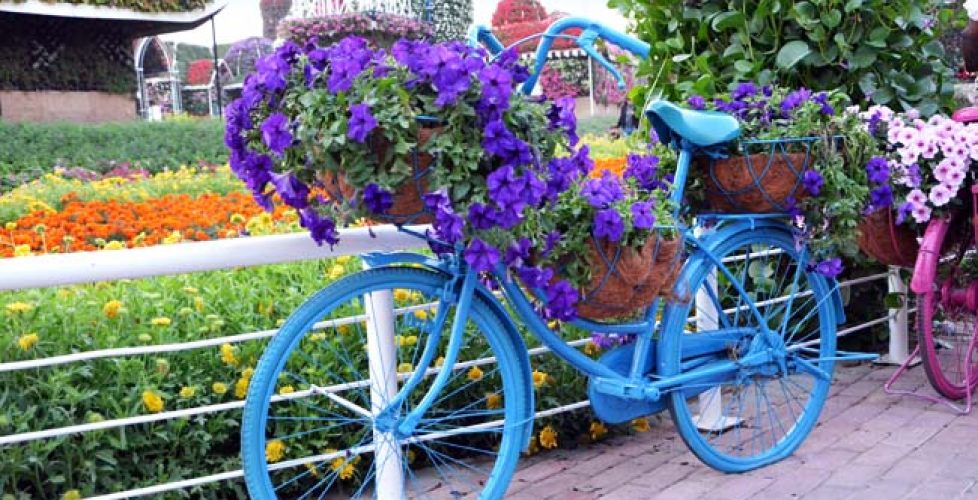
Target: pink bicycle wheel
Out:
[946,282]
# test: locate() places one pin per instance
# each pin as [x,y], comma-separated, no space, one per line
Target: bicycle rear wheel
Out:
[760,412]
[322,419]
[946,322]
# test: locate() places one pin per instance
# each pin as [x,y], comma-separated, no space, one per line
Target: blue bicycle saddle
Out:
[702,128]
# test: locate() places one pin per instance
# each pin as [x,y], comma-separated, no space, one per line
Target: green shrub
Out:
[885,50]
[28,150]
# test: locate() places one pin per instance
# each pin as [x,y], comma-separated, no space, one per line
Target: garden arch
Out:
[153,45]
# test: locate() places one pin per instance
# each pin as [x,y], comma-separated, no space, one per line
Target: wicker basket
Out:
[408,207]
[759,183]
[625,281]
[888,243]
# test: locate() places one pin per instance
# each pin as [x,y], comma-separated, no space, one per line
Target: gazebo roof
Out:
[138,23]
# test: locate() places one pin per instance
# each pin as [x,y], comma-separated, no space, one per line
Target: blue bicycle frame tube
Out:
[482,35]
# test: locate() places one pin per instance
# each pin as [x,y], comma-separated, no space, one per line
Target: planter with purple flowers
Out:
[802,154]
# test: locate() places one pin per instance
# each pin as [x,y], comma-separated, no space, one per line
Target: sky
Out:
[242,19]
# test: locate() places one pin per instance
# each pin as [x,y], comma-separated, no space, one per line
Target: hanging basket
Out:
[890,244]
[408,207]
[625,280]
[760,182]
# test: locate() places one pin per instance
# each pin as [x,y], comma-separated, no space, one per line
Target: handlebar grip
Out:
[586,42]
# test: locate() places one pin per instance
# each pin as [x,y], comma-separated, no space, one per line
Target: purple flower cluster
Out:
[881,195]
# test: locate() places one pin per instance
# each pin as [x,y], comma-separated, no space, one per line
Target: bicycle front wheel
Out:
[326,410]
[946,326]
[760,411]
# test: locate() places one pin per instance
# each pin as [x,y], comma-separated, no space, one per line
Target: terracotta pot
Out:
[882,239]
[408,205]
[633,282]
[758,185]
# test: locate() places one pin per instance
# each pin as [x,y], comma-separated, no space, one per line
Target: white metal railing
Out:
[78,268]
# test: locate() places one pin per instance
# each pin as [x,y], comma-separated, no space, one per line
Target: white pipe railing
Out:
[86,267]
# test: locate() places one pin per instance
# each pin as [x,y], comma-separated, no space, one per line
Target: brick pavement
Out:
[868,445]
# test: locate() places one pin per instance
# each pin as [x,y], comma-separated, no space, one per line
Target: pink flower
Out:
[907,135]
[954,178]
[940,195]
[917,197]
[921,213]
[942,170]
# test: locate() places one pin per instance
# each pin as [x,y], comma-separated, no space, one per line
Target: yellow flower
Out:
[641,425]
[346,467]
[343,329]
[10,226]
[199,304]
[533,447]
[553,325]
[152,401]
[494,401]
[548,437]
[190,290]
[410,340]
[540,379]
[219,388]
[71,495]
[247,372]
[286,390]
[22,251]
[313,470]
[597,430]
[317,337]
[174,237]
[187,392]
[440,361]
[336,272]
[591,349]
[161,321]
[227,355]
[405,368]
[27,341]
[343,259]
[401,295]
[241,387]
[421,314]
[237,219]
[114,245]
[274,450]
[19,307]
[475,374]
[111,309]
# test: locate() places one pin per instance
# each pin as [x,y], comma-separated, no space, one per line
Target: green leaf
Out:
[744,66]
[727,20]
[792,53]
[853,5]
[864,57]
[832,19]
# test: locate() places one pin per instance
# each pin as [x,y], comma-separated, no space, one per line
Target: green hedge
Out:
[29,150]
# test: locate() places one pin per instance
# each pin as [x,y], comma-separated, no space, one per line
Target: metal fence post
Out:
[382,361]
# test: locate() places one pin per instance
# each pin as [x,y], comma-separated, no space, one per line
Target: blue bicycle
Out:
[426,372]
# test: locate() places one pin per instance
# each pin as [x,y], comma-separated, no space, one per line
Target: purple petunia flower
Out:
[448,225]
[903,212]
[482,217]
[744,90]
[293,192]
[608,224]
[377,200]
[813,182]
[878,170]
[603,191]
[518,252]
[323,230]
[561,299]
[361,123]
[505,186]
[535,277]
[830,268]
[881,197]
[792,207]
[696,102]
[562,116]
[794,100]
[644,169]
[275,133]
[482,256]
[823,99]
[642,216]
[497,84]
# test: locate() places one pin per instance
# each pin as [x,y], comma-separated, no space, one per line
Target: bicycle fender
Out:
[925,268]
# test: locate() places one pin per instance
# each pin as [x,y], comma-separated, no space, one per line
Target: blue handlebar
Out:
[482,35]
[592,31]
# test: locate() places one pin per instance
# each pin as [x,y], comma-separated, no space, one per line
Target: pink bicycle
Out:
[945,281]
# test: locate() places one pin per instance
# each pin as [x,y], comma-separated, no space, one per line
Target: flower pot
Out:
[624,281]
[408,207]
[759,183]
[888,243]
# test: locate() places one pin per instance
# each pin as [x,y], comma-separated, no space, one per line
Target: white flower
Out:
[917,197]
[912,114]
[954,178]
[940,195]
[907,135]
[921,213]
[972,7]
